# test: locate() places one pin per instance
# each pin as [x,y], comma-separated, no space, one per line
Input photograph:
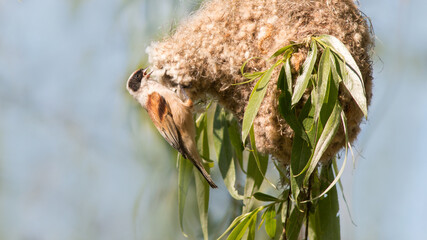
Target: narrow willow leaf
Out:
[202,192]
[284,210]
[335,167]
[254,179]
[300,157]
[252,226]
[307,68]
[281,80]
[289,115]
[354,82]
[242,68]
[243,225]
[270,221]
[324,221]
[288,74]
[328,105]
[282,50]
[295,189]
[236,221]
[253,75]
[315,186]
[254,103]
[285,75]
[239,230]
[202,187]
[236,141]
[328,133]
[286,110]
[265,197]
[334,164]
[294,223]
[210,116]
[323,78]
[282,172]
[339,47]
[307,118]
[335,68]
[259,158]
[245,82]
[184,177]
[224,152]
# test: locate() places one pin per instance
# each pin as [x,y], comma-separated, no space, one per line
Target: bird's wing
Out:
[160,113]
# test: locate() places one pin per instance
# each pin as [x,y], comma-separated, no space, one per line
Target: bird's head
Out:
[137,81]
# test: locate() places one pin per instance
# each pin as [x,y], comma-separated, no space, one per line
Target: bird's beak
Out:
[149,74]
[146,74]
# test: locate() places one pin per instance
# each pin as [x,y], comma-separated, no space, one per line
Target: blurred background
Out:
[79,160]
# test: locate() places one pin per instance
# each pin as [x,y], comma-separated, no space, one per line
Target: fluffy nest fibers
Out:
[207,49]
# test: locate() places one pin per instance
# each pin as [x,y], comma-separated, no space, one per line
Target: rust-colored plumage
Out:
[171,116]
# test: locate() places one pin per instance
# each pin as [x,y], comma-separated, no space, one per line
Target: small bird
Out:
[172,116]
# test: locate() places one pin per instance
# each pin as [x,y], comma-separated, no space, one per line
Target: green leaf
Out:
[354,82]
[282,50]
[334,164]
[336,66]
[307,118]
[307,68]
[322,85]
[252,226]
[289,115]
[243,225]
[239,230]
[265,197]
[224,152]
[270,221]
[245,82]
[301,151]
[184,177]
[288,74]
[295,187]
[236,141]
[281,80]
[338,176]
[300,156]
[326,137]
[294,223]
[253,76]
[285,107]
[254,179]
[202,191]
[202,187]
[235,222]
[259,157]
[324,221]
[284,209]
[255,100]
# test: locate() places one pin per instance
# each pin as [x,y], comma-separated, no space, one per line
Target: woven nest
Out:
[207,49]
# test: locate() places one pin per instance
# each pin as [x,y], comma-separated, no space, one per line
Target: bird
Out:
[172,116]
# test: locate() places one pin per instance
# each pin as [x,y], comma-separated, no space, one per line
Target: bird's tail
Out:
[205,174]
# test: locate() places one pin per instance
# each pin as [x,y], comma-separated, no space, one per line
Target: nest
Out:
[207,49]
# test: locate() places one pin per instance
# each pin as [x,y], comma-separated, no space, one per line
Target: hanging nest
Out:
[207,50]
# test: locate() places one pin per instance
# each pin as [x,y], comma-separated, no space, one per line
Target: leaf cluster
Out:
[311,198]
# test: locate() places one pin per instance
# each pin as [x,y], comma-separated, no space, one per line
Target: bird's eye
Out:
[135,80]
